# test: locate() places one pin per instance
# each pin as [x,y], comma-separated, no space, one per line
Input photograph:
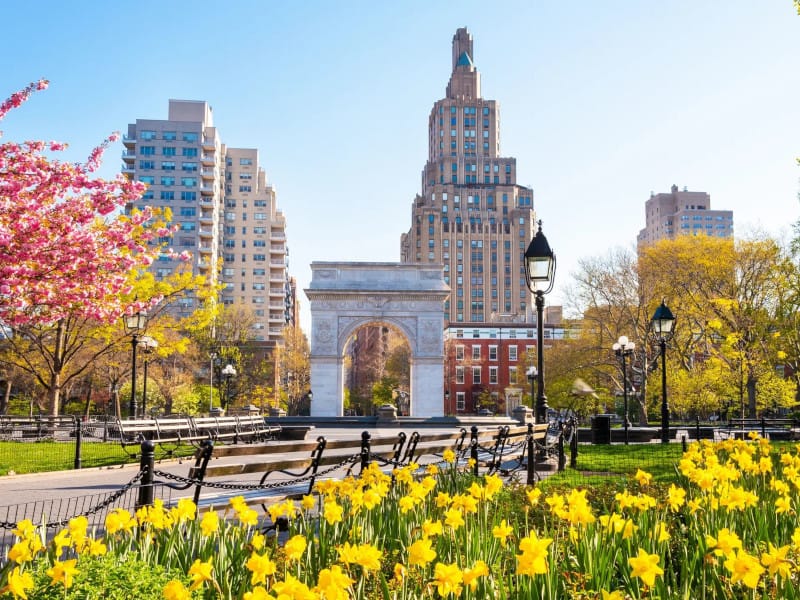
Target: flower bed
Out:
[727,531]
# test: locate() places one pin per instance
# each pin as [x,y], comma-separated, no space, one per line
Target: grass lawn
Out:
[43,456]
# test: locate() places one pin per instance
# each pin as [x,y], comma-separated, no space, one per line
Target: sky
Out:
[601,103]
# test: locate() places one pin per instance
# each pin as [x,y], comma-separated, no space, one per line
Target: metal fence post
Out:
[365,438]
[146,466]
[562,457]
[531,475]
[573,445]
[763,427]
[697,427]
[78,442]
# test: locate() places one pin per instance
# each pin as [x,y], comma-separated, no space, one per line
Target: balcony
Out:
[208,173]
[207,218]
[276,318]
[127,169]
[208,159]
[129,156]
[206,232]
[209,144]
[277,249]
[207,203]
[276,278]
[128,141]
[208,190]
[277,263]
[205,248]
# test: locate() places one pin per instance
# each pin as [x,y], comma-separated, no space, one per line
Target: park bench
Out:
[234,429]
[168,434]
[774,428]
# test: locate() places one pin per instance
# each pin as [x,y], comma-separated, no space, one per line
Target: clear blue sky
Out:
[601,103]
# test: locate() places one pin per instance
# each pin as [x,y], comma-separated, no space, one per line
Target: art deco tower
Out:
[471,215]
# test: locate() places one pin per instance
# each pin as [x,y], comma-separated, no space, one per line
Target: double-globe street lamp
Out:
[623,349]
[663,322]
[229,371]
[540,270]
[134,323]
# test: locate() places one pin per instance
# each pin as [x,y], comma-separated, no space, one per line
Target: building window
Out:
[167,196]
[169,136]
[147,150]
[512,353]
[245,188]
[188,181]
[460,375]
[459,352]
[188,211]
[476,375]
[476,353]
[189,136]
[259,257]
[189,196]
[189,166]
[245,161]
[147,164]
[460,403]
[147,135]
[492,352]
[168,165]
[189,152]
[493,375]
[167,181]
[148,179]
[168,151]
[512,375]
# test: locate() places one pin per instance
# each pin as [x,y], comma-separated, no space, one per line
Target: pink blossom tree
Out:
[67,256]
[64,248]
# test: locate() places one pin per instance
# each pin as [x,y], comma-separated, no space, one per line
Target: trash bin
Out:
[601,429]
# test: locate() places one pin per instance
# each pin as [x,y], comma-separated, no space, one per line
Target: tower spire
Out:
[465,81]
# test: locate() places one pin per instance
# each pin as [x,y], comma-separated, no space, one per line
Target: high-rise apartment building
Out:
[223,206]
[471,215]
[681,212]
[254,245]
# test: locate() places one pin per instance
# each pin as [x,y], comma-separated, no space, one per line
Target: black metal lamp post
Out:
[623,348]
[134,324]
[532,377]
[540,270]
[148,346]
[229,371]
[663,322]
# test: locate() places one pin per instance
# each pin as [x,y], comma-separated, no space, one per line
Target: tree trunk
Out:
[54,392]
[6,397]
[751,397]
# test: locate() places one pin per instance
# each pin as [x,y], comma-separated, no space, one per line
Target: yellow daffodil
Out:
[175,590]
[745,568]
[777,562]
[533,560]
[447,579]
[19,583]
[295,547]
[209,524]
[333,583]
[420,553]
[261,567]
[63,572]
[502,531]
[200,572]
[645,567]
[471,575]
[332,512]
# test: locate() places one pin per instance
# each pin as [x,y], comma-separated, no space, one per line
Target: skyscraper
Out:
[668,215]
[471,215]
[224,208]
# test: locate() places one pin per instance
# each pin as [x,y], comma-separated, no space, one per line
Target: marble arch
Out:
[344,296]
